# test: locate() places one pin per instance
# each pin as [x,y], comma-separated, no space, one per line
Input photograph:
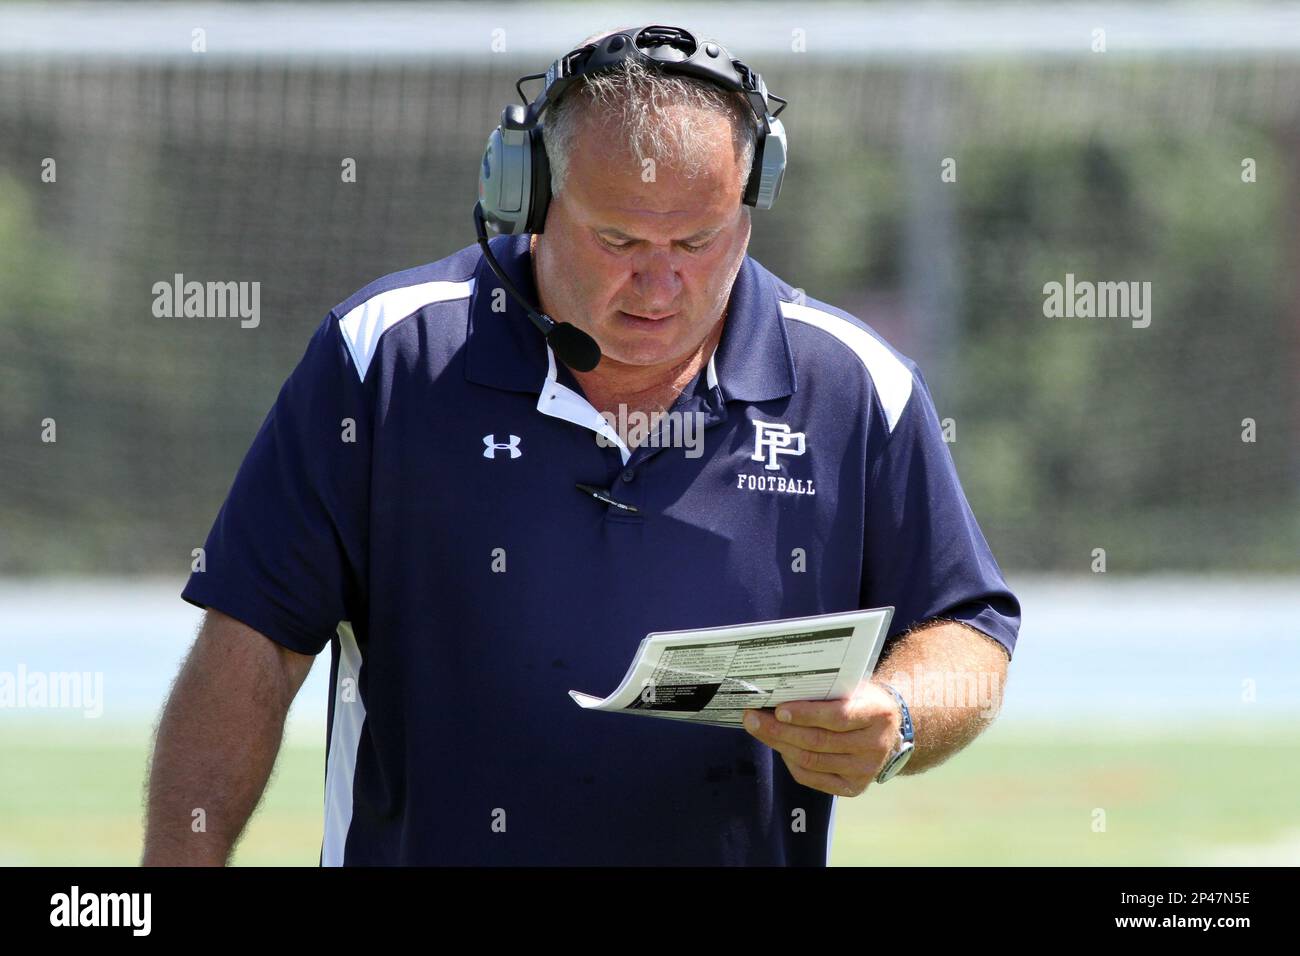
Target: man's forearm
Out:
[217,742]
[952,678]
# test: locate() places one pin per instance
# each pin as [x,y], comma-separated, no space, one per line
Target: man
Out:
[412,500]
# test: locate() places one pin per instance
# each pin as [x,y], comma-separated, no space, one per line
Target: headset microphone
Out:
[574,347]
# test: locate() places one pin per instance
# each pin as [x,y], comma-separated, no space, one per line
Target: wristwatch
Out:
[903,750]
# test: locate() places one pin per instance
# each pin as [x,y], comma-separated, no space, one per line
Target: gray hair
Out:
[658,113]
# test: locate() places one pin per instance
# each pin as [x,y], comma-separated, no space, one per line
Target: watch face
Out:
[895,763]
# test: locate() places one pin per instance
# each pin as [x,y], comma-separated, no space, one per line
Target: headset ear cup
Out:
[770,159]
[503,181]
[753,185]
[539,196]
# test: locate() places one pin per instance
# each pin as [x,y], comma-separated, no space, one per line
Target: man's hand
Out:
[836,746]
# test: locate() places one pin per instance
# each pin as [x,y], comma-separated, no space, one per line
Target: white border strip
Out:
[830,828]
[358,31]
[341,764]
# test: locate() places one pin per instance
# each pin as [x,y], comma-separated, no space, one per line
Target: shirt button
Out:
[629,474]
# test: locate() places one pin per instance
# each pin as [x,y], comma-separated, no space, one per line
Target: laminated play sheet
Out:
[713,675]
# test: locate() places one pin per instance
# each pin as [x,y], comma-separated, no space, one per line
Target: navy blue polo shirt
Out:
[410,500]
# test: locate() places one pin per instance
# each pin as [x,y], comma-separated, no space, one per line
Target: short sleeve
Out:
[924,552]
[287,552]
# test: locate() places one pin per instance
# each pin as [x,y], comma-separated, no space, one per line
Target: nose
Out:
[656,282]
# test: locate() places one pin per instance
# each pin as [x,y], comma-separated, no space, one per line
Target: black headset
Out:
[514,185]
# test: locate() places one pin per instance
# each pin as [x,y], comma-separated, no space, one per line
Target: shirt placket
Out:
[628,483]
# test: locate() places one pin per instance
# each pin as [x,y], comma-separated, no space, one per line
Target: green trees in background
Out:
[1071,434]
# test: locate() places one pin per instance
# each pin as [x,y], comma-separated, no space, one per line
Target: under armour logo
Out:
[773,439]
[492,445]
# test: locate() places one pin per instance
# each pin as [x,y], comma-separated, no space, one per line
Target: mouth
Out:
[644,319]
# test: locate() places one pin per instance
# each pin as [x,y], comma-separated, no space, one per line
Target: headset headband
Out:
[670,49]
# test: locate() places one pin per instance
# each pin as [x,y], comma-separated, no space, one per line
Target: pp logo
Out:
[773,439]
[493,446]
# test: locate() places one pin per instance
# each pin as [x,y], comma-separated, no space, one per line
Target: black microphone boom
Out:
[574,347]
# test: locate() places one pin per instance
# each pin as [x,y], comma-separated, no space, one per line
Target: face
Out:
[646,268]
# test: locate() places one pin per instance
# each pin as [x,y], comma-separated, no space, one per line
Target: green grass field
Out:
[72,794]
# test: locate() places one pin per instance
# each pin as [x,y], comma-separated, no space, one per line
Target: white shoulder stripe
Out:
[891,377]
[364,325]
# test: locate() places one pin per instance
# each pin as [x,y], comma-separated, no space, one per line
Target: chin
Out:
[647,346]
[643,352]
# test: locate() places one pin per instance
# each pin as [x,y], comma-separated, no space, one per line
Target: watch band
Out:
[906,735]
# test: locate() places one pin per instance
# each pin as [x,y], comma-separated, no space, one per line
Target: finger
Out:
[826,714]
[848,766]
[772,733]
[826,782]
[868,705]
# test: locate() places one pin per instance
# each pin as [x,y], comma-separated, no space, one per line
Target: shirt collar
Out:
[752,362]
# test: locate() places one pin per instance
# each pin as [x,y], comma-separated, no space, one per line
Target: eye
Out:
[689,247]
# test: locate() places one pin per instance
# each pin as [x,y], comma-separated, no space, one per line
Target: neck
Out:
[647,388]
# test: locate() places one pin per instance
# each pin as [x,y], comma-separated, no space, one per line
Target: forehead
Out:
[611,188]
